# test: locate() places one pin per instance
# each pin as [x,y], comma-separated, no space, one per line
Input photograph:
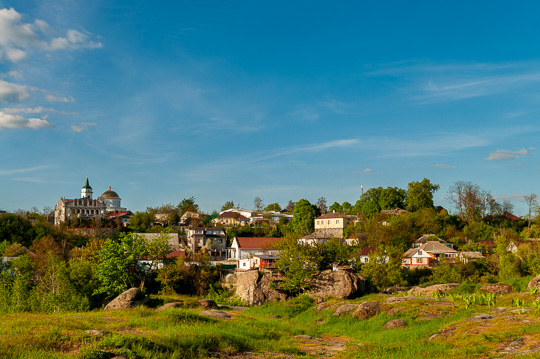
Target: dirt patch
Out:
[322,347]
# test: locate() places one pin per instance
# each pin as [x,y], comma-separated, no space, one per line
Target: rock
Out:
[432,289]
[497,288]
[274,316]
[395,311]
[217,314]
[396,323]
[500,310]
[534,283]
[255,288]
[322,306]
[395,300]
[479,317]
[130,298]
[445,333]
[207,303]
[511,348]
[396,289]
[521,310]
[97,333]
[337,284]
[171,305]
[367,310]
[306,338]
[345,308]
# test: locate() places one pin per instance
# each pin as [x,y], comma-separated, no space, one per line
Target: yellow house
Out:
[334,220]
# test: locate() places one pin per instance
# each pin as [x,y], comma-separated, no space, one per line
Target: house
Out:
[431,237]
[354,239]
[232,219]
[258,261]
[192,218]
[466,257]
[122,216]
[246,247]
[427,254]
[333,220]
[513,246]
[363,255]
[173,239]
[213,239]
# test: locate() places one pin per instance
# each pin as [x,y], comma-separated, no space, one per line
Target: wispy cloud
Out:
[53,98]
[23,170]
[34,110]
[83,126]
[305,113]
[505,155]
[444,166]
[10,92]
[8,121]
[28,179]
[365,170]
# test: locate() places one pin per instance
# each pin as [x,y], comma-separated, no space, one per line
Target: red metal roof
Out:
[256,242]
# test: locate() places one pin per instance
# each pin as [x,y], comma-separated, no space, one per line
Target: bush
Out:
[519,284]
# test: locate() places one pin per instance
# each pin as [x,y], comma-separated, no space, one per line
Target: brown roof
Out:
[394,211]
[233,215]
[330,215]
[436,247]
[425,237]
[366,251]
[256,242]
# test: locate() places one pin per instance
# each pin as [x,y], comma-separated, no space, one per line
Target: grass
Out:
[183,333]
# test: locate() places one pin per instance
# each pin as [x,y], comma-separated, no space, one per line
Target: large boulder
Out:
[130,298]
[367,310]
[432,289]
[534,283]
[254,287]
[497,288]
[395,323]
[337,284]
[344,309]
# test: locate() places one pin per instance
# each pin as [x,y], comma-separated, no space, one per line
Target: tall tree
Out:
[188,205]
[227,205]
[321,205]
[304,215]
[420,195]
[335,207]
[258,203]
[273,207]
[532,204]
[392,197]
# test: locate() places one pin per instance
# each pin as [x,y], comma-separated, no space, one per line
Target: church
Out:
[86,207]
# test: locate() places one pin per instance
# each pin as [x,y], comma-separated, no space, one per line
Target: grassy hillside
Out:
[284,330]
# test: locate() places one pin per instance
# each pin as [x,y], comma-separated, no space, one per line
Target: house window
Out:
[337,221]
[419,260]
[328,221]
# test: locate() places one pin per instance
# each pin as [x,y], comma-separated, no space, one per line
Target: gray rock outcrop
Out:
[434,289]
[345,308]
[171,305]
[396,323]
[255,287]
[337,284]
[130,298]
[216,314]
[367,310]
[497,288]
[534,283]
[207,303]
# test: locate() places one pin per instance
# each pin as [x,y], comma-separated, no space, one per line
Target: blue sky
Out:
[228,100]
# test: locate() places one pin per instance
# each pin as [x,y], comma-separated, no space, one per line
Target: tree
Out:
[532,204]
[298,262]
[227,205]
[168,212]
[420,195]
[120,265]
[304,215]
[142,221]
[275,207]
[368,204]
[290,206]
[392,197]
[470,200]
[188,205]
[346,208]
[336,207]
[383,268]
[16,229]
[321,205]
[258,203]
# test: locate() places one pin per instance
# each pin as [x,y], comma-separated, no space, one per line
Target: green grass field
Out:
[183,333]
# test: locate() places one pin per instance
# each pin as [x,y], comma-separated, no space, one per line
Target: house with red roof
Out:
[246,247]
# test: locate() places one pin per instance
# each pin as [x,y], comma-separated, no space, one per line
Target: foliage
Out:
[227,205]
[321,205]
[179,277]
[392,197]
[275,207]
[383,268]
[142,221]
[16,229]
[258,203]
[188,205]
[420,195]
[444,272]
[304,215]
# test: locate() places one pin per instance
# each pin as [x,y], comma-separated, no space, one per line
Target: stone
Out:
[171,305]
[214,313]
[256,288]
[207,303]
[130,298]
[479,317]
[345,308]
[395,300]
[396,289]
[395,311]
[534,283]
[336,284]
[432,289]
[497,288]
[500,310]
[306,338]
[395,323]
[367,310]
[511,348]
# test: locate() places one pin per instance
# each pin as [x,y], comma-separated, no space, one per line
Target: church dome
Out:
[110,194]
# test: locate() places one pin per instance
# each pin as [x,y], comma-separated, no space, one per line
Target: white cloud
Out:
[365,170]
[38,109]
[83,126]
[23,170]
[17,37]
[505,155]
[10,92]
[52,98]
[8,121]
[444,166]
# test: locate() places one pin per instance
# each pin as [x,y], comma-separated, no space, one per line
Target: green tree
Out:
[304,215]
[16,229]
[335,207]
[368,204]
[142,221]
[298,262]
[346,208]
[273,207]
[258,203]
[187,205]
[420,195]
[227,205]
[383,268]
[392,197]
